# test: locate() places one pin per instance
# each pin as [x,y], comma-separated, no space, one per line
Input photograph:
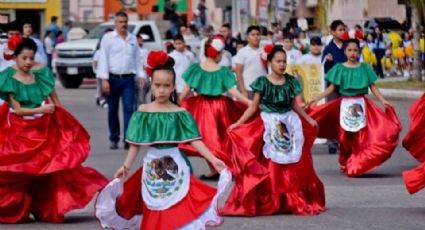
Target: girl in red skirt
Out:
[271,151]
[42,146]
[367,135]
[162,194]
[213,112]
[414,179]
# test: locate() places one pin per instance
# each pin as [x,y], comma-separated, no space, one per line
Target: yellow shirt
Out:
[368,56]
[387,62]
[395,41]
[422,44]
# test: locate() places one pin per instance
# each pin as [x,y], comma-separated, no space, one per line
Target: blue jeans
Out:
[125,88]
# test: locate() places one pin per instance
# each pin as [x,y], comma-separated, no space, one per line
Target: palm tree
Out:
[321,12]
[418,7]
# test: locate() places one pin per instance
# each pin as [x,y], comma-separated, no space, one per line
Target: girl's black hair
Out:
[26,44]
[349,41]
[168,66]
[276,49]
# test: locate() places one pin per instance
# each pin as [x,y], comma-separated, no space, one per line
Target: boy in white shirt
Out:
[292,54]
[183,59]
[248,62]
[315,55]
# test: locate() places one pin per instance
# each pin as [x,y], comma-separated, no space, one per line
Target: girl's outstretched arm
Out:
[205,152]
[122,172]
[326,93]
[248,112]
[234,92]
[378,95]
[303,114]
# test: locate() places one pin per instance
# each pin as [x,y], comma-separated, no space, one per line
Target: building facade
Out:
[38,11]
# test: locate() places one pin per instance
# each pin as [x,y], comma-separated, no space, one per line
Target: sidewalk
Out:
[399,93]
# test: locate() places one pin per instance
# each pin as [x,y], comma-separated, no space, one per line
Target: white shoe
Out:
[406,74]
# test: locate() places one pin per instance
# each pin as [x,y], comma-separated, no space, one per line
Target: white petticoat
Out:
[283,137]
[352,116]
[109,218]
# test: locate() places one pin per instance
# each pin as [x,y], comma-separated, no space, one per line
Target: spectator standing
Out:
[333,54]
[314,56]
[54,28]
[40,56]
[302,22]
[292,54]
[183,58]
[119,64]
[14,31]
[49,46]
[202,13]
[171,15]
[142,92]
[66,29]
[248,62]
[379,50]
[229,40]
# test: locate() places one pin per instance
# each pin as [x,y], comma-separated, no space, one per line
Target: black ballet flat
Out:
[213,177]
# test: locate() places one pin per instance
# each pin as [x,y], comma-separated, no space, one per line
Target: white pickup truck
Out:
[73,60]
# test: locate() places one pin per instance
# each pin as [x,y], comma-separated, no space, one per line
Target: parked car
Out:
[73,60]
[383,23]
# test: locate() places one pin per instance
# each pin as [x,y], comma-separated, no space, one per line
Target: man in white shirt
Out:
[292,54]
[248,62]
[119,64]
[183,58]
[40,56]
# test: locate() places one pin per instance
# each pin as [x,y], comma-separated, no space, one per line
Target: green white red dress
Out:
[162,194]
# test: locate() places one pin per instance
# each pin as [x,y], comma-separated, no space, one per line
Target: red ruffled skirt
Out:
[213,116]
[191,207]
[414,143]
[414,179]
[366,149]
[40,167]
[263,187]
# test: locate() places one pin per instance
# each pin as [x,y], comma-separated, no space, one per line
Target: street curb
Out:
[400,93]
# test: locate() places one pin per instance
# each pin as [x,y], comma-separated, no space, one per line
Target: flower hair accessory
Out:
[12,44]
[216,46]
[154,60]
[357,34]
[267,49]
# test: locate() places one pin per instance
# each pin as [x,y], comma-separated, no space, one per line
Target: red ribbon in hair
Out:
[12,44]
[267,49]
[154,60]
[216,46]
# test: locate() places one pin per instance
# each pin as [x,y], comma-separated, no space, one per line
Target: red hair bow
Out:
[12,44]
[217,45]
[154,60]
[266,50]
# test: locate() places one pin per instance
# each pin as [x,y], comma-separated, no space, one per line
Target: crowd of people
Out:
[53,35]
[235,106]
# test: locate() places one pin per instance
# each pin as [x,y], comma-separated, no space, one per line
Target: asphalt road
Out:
[378,200]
